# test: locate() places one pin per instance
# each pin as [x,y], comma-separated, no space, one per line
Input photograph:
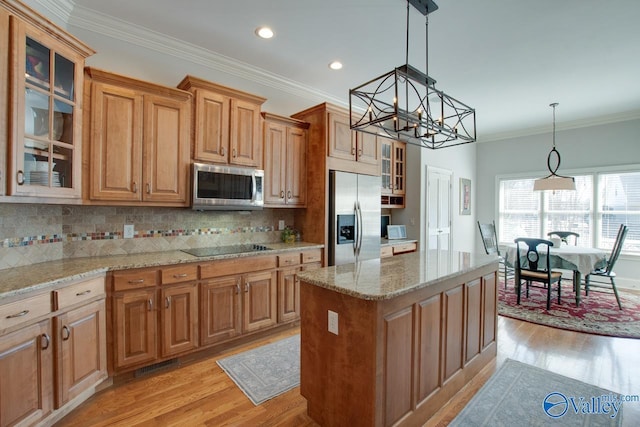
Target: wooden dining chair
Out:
[489,237]
[604,278]
[565,236]
[535,270]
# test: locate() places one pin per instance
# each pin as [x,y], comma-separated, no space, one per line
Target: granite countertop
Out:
[387,242]
[35,277]
[385,278]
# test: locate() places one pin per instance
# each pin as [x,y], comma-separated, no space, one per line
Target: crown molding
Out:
[105,25]
[60,9]
[574,124]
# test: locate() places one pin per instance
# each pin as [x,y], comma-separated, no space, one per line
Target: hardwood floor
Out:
[201,394]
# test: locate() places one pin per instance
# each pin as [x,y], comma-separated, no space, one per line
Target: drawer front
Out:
[407,247]
[180,273]
[77,293]
[314,255]
[125,280]
[237,266]
[386,251]
[287,260]
[24,311]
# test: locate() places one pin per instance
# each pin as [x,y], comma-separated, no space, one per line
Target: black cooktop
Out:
[226,250]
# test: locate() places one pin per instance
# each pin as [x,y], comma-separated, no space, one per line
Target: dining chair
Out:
[565,236]
[535,270]
[605,277]
[489,237]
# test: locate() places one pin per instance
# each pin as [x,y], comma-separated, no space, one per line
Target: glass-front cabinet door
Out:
[46,131]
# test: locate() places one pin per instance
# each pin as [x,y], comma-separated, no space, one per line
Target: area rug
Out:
[523,395]
[598,313]
[266,371]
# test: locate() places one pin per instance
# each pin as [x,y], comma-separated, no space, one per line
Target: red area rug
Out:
[598,313]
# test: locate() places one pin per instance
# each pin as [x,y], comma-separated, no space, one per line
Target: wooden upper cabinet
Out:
[367,148]
[342,142]
[138,147]
[285,161]
[45,103]
[226,123]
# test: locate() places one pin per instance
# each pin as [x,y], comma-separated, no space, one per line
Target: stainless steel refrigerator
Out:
[354,217]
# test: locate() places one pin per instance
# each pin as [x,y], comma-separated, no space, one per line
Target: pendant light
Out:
[405,105]
[553,181]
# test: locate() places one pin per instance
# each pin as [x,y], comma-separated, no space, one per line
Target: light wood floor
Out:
[201,394]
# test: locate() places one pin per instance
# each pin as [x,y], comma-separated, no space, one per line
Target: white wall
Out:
[461,161]
[614,144]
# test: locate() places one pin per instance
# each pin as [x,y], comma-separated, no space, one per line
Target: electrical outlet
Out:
[333,322]
[128,231]
[281,224]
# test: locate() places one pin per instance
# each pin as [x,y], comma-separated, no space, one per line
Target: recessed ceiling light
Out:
[335,65]
[264,32]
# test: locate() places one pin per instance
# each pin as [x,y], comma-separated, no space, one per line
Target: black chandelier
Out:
[404,104]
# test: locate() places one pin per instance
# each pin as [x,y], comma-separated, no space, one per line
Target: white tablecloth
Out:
[583,259]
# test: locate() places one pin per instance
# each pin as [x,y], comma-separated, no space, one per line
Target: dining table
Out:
[581,260]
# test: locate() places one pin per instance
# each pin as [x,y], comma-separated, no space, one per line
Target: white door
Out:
[438,208]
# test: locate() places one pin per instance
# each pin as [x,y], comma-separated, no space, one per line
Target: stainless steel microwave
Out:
[219,187]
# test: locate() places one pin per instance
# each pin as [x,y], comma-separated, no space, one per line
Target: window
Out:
[602,201]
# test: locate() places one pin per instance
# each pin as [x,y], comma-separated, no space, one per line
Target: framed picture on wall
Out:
[465,196]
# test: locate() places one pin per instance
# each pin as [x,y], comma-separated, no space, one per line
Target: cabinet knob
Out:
[20,177]
[45,341]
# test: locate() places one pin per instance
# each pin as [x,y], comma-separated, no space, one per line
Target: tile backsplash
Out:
[32,233]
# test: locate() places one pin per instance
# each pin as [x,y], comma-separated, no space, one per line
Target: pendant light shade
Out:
[553,181]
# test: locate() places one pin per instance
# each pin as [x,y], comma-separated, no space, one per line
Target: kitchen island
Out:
[389,341]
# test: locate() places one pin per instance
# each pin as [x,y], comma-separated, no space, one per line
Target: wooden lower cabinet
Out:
[26,375]
[135,327]
[260,301]
[288,294]
[81,354]
[402,357]
[179,318]
[220,309]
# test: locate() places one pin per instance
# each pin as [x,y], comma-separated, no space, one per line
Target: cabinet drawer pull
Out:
[167,302]
[135,187]
[234,153]
[180,276]
[22,313]
[136,281]
[237,288]
[148,188]
[360,153]
[282,194]
[45,341]
[150,304]
[353,150]
[20,177]
[247,286]
[79,294]
[222,151]
[289,194]
[65,330]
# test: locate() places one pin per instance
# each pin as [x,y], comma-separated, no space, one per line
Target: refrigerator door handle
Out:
[356,230]
[360,228]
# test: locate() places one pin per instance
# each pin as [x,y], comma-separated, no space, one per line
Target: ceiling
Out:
[508,59]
